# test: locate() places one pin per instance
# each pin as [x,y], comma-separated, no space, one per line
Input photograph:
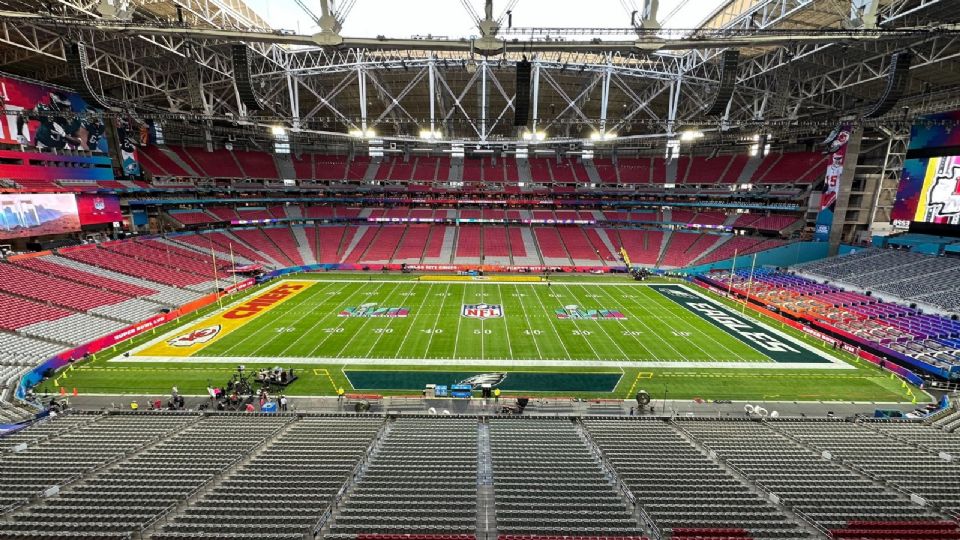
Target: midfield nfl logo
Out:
[482,311]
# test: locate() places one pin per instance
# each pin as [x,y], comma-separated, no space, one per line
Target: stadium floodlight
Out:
[430,135]
[534,136]
[690,136]
[603,136]
[278,131]
[361,134]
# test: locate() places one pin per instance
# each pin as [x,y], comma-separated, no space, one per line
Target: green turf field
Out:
[588,337]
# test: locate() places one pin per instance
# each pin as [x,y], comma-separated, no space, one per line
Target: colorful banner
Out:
[97,209]
[48,118]
[938,199]
[128,137]
[838,149]
[16,165]
[23,216]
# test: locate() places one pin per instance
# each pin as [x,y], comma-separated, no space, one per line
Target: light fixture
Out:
[690,136]
[361,134]
[534,136]
[430,134]
[603,136]
[278,131]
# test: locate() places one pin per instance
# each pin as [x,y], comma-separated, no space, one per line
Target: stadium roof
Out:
[804,63]
[405,19]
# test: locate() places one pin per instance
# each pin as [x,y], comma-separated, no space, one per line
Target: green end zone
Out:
[508,381]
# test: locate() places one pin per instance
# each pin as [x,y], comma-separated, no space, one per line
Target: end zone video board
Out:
[29,215]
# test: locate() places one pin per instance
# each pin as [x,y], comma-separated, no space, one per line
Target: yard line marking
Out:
[585,338]
[322,319]
[332,313]
[448,361]
[505,324]
[363,325]
[530,329]
[324,371]
[456,339]
[696,328]
[624,327]
[679,356]
[436,321]
[636,381]
[554,326]
[390,322]
[272,323]
[415,316]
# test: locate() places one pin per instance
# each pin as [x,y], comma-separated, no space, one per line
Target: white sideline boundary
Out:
[490,362]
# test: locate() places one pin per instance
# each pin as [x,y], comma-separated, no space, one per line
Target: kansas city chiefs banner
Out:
[838,155]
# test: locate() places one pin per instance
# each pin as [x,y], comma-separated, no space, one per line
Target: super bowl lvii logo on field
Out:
[576,312]
[374,310]
[482,311]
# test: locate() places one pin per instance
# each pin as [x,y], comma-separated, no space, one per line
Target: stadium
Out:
[480,270]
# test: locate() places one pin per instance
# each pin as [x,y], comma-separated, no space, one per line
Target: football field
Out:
[587,337]
[390,322]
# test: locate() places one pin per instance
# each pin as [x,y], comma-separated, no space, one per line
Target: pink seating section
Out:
[551,246]
[773,222]
[158,163]
[381,244]
[362,244]
[224,213]
[468,242]
[710,533]
[256,239]
[282,237]
[776,168]
[552,537]
[685,247]
[897,530]
[413,243]
[250,214]
[18,312]
[739,246]
[495,243]
[40,265]
[53,290]
[197,217]
[257,164]
[643,247]
[416,537]
[111,260]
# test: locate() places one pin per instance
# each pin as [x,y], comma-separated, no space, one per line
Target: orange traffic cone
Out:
[75,394]
[63,391]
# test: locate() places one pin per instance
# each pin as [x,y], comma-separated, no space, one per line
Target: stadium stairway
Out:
[167,295]
[212,485]
[72,457]
[304,243]
[285,166]
[721,240]
[195,243]
[486,498]
[530,247]
[605,238]
[232,237]
[190,168]
[664,244]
